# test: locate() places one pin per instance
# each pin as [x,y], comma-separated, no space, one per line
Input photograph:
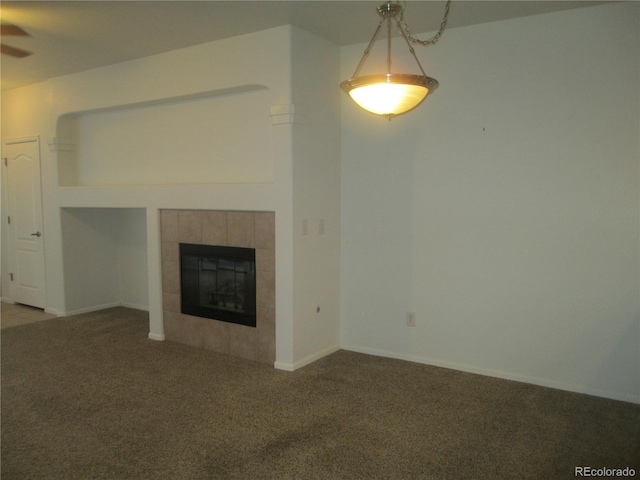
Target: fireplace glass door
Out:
[219,283]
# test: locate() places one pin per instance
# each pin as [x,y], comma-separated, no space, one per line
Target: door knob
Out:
[37,234]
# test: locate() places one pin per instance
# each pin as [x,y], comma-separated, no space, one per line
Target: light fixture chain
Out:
[411,50]
[433,40]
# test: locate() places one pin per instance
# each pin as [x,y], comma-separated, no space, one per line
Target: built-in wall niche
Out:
[219,137]
[105,258]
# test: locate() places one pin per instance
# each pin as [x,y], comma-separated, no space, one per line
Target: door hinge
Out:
[11,276]
[6,164]
[9,220]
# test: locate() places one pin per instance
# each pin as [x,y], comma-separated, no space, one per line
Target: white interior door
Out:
[25,217]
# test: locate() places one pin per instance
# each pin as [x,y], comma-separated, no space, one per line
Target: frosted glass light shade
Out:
[389,94]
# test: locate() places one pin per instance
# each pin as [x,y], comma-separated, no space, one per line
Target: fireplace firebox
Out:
[218,283]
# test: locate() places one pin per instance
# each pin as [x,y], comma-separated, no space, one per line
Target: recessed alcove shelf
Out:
[105,258]
[215,137]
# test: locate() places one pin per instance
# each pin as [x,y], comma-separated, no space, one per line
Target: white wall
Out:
[191,129]
[105,258]
[504,211]
[26,113]
[132,258]
[316,197]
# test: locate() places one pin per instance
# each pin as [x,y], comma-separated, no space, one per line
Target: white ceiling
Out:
[72,36]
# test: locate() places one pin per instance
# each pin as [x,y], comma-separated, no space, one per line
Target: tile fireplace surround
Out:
[228,229]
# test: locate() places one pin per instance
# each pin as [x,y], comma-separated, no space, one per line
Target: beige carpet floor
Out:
[90,397]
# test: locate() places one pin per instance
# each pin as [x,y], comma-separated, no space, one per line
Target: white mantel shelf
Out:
[168,196]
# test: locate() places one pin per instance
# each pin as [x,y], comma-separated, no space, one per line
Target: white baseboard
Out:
[158,337]
[101,307]
[290,367]
[287,367]
[134,306]
[94,308]
[496,374]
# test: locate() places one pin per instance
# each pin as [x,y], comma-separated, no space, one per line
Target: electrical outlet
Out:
[411,319]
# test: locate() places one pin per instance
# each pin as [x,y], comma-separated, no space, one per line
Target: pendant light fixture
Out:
[390,94]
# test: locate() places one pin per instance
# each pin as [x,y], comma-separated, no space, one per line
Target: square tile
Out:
[171,277]
[266,343]
[169,225]
[170,251]
[16,314]
[266,316]
[265,225]
[242,341]
[172,325]
[241,229]
[171,302]
[265,260]
[214,228]
[190,226]
[265,291]
[216,336]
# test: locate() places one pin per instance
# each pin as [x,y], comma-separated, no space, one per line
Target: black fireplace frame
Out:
[247,318]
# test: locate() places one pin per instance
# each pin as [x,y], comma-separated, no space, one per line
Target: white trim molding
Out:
[57,145]
[290,367]
[542,382]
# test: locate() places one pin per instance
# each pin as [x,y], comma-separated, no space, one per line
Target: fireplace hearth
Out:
[218,282]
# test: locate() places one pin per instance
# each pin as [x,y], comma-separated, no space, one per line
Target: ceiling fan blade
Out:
[13,51]
[12,30]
